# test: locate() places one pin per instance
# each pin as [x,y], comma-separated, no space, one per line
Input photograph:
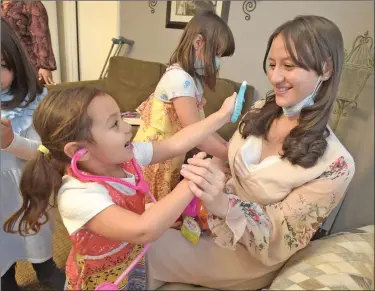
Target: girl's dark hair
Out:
[60,118]
[311,41]
[25,82]
[218,40]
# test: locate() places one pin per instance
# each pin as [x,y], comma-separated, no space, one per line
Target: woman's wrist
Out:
[219,207]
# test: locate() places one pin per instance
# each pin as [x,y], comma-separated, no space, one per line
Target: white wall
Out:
[67,34]
[156,43]
[52,23]
[97,25]
[356,131]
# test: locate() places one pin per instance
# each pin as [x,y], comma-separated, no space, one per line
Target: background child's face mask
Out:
[199,65]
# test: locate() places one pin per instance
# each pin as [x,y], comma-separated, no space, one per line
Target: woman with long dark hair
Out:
[288,171]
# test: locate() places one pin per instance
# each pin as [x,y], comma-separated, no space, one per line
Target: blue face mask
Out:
[199,65]
[308,101]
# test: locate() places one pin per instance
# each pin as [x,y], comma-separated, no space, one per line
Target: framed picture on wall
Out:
[179,13]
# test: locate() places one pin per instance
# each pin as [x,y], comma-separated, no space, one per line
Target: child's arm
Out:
[117,223]
[219,138]
[188,114]
[21,147]
[195,134]
[214,146]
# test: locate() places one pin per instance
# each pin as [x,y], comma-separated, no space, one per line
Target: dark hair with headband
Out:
[311,42]
[60,118]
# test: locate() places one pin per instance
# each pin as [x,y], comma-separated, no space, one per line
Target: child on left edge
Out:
[21,93]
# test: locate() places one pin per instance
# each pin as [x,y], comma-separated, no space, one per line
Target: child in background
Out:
[21,92]
[106,221]
[178,98]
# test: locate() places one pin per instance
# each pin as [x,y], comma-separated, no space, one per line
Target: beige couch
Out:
[343,261]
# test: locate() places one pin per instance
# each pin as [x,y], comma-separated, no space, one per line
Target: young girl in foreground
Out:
[178,98]
[107,222]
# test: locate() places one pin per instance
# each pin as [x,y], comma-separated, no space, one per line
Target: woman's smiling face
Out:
[290,83]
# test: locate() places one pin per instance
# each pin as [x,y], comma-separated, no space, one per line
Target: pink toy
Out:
[192,208]
[141,186]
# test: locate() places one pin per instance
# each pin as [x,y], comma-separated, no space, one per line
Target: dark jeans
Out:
[43,270]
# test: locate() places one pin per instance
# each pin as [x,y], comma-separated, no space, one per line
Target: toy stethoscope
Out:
[142,186]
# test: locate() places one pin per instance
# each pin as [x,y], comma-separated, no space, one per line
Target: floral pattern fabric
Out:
[274,231]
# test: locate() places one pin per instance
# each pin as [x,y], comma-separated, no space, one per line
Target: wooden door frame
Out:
[68,40]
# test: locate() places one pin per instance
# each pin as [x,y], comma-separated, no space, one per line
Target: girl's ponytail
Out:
[41,180]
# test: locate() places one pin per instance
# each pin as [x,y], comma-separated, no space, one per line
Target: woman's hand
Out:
[207,182]
[7,134]
[224,166]
[228,107]
[45,76]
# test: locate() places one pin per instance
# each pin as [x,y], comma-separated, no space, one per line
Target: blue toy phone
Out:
[239,102]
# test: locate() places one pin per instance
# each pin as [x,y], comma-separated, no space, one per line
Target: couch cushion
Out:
[344,261]
[131,81]
[96,83]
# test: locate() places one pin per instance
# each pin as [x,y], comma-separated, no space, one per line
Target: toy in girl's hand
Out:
[202,216]
[195,209]
[191,209]
[190,229]
[239,102]
[195,221]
